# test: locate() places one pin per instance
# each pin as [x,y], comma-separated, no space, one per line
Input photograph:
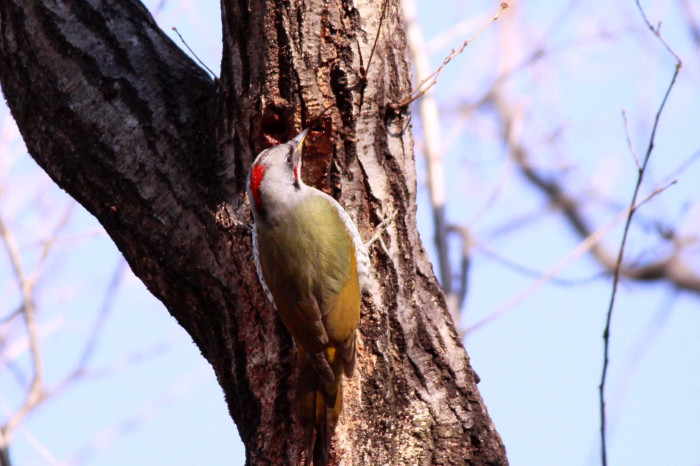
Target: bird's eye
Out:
[290,159]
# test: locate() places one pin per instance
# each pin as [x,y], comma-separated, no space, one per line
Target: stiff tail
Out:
[318,404]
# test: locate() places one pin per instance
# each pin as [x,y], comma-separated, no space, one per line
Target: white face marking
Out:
[280,188]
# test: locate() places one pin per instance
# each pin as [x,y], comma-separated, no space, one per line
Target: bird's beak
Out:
[299,140]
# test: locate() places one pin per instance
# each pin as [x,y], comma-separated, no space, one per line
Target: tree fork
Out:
[130,127]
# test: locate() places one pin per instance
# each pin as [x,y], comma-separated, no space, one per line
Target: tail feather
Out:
[323,434]
[318,405]
[346,352]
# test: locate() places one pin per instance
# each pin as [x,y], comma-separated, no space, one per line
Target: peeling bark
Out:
[123,121]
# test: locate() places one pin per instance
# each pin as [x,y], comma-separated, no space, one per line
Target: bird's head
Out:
[275,175]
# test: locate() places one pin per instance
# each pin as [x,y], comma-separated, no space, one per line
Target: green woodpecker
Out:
[312,265]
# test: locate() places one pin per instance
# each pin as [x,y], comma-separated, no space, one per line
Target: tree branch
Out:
[641,169]
[670,268]
[138,134]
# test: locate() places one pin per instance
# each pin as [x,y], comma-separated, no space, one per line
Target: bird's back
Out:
[308,254]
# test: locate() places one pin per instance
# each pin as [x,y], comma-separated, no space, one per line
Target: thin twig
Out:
[98,324]
[691,18]
[583,247]
[643,344]
[47,245]
[376,37]
[629,141]
[11,315]
[216,78]
[632,209]
[159,8]
[39,447]
[130,360]
[380,229]
[530,272]
[35,392]
[19,346]
[464,263]
[431,79]
[670,268]
[657,33]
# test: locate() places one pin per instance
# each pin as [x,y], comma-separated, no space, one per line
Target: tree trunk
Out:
[129,126]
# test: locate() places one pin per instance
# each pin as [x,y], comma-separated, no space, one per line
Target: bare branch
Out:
[632,209]
[669,268]
[644,342]
[525,270]
[657,33]
[586,245]
[629,141]
[692,20]
[466,243]
[430,80]
[21,345]
[213,75]
[81,373]
[380,229]
[106,307]
[376,37]
[11,315]
[35,392]
[48,244]
[40,448]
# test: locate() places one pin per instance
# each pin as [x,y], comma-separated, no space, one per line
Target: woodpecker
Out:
[313,266]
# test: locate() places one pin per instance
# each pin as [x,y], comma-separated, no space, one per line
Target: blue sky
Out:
[539,362]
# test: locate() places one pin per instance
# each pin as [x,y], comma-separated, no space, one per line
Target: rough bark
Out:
[123,121]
